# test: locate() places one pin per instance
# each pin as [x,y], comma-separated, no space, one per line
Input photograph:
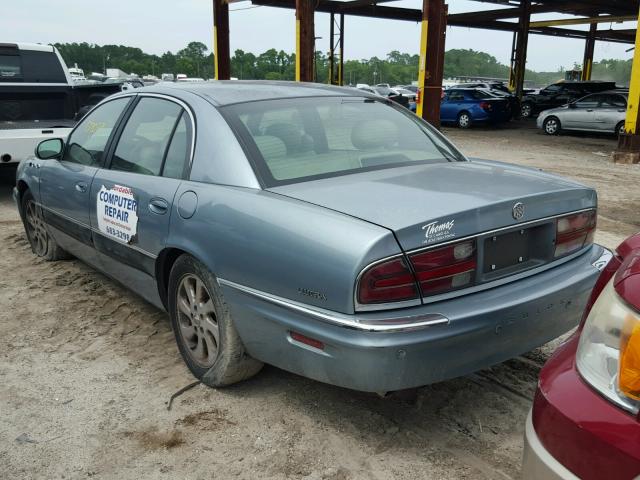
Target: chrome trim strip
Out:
[601,263]
[497,230]
[389,306]
[95,230]
[392,323]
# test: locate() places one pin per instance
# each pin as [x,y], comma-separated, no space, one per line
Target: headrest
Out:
[270,147]
[374,134]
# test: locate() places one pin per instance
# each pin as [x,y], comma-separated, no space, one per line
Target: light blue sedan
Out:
[326,231]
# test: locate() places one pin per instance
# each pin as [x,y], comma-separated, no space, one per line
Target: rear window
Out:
[31,66]
[294,140]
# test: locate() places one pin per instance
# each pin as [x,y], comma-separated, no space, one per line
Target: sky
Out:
[157,26]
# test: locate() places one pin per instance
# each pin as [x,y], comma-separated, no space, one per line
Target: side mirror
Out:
[51,148]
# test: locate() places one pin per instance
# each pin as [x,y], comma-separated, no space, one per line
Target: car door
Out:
[131,198]
[64,184]
[581,114]
[611,112]
[450,105]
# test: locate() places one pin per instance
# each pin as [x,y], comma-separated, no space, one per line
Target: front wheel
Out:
[620,128]
[551,126]
[42,243]
[464,120]
[526,110]
[203,328]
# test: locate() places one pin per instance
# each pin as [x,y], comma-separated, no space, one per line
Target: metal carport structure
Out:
[511,16]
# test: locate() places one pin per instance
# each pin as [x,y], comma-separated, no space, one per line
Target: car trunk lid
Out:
[426,205]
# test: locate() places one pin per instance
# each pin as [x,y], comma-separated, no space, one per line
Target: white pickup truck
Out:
[38,98]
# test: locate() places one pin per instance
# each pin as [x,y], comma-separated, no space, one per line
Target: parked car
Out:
[560,94]
[584,422]
[598,112]
[495,89]
[466,106]
[411,96]
[39,98]
[323,230]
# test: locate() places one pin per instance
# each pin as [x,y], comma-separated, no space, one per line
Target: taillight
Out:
[447,268]
[418,96]
[485,105]
[390,281]
[574,232]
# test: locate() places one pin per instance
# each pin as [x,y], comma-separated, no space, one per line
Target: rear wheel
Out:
[464,120]
[620,128]
[42,243]
[526,110]
[203,328]
[552,126]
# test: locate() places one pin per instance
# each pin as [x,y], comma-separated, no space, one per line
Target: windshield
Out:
[293,140]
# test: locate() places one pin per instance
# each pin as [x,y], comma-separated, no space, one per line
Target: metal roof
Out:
[227,92]
[504,17]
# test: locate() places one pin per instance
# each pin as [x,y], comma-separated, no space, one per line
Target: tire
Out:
[620,128]
[552,126]
[203,327]
[464,120]
[41,241]
[526,110]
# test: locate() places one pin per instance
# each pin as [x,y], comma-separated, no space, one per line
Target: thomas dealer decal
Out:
[438,231]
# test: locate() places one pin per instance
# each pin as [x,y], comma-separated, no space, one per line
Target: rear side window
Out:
[87,142]
[178,152]
[456,96]
[145,138]
[10,68]
[303,139]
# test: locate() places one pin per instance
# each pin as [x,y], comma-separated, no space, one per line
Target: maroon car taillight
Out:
[390,281]
[574,232]
[447,268]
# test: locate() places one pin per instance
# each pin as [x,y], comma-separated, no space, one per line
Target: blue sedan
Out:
[466,106]
[326,231]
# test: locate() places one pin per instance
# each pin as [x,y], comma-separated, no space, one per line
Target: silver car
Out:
[598,112]
[322,230]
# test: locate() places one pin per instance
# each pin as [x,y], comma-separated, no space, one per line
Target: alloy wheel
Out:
[551,126]
[36,231]
[464,120]
[526,110]
[197,321]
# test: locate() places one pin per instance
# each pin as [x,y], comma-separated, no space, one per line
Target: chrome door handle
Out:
[159,206]
[81,187]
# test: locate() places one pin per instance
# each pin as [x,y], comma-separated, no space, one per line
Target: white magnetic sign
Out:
[117,212]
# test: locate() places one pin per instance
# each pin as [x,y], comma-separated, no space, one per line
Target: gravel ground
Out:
[87,369]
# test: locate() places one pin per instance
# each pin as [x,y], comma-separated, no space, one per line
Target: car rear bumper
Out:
[467,333]
[537,462]
[573,432]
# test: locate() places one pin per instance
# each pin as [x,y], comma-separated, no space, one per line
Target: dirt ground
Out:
[87,369]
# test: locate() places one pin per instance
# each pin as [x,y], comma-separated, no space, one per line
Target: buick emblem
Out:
[518,211]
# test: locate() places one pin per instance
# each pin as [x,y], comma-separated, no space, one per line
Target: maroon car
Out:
[585,419]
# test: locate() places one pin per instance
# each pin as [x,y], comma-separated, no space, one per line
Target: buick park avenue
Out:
[326,231]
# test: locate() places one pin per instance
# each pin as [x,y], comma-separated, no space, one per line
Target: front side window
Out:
[144,140]
[590,101]
[87,142]
[303,139]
